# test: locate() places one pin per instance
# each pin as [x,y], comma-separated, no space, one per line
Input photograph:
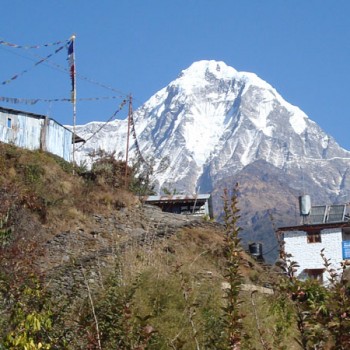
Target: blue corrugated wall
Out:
[26,132]
[58,140]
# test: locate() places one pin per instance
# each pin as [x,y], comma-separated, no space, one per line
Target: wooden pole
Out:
[127,142]
[74,128]
[73,75]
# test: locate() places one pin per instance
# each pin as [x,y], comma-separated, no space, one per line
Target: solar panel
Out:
[336,213]
[318,214]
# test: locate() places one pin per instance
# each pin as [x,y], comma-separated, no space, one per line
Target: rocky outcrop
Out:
[89,251]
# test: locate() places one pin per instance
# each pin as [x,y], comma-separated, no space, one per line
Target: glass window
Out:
[9,123]
[314,237]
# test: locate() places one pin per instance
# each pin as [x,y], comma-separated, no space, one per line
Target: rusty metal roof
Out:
[76,138]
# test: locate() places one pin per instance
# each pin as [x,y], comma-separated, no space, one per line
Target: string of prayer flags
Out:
[6,43]
[15,100]
[35,64]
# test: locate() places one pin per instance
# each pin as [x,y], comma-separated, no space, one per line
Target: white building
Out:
[325,227]
[35,131]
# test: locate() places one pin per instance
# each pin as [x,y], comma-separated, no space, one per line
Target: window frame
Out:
[314,237]
[315,274]
[9,123]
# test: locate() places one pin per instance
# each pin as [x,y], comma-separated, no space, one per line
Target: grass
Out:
[44,183]
[173,286]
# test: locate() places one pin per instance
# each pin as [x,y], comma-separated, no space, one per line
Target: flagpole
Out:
[127,141]
[71,57]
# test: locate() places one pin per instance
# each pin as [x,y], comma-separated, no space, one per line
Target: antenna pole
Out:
[127,141]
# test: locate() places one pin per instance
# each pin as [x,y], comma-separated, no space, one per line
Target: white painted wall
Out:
[308,255]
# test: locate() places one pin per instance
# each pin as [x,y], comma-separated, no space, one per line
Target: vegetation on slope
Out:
[194,289]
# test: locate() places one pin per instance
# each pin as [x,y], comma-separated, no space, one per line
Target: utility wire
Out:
[33,101]
[269,251]
[62,69]
[16,46]
[58,67]
[104,124]
[36,64]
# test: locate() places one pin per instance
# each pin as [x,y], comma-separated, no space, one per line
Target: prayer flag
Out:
[71,66]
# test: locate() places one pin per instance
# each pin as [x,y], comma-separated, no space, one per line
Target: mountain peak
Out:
[213,120]
[218,68]
[204,70]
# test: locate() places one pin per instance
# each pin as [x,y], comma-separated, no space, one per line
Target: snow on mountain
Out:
[213,121]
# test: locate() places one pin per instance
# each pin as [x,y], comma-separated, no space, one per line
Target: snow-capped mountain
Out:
[212,121]
[217,125]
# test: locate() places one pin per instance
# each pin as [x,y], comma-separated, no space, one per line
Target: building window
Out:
[315,274]
[314,237]
[9,123]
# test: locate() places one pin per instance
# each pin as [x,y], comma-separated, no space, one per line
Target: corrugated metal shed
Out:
[58,140]
[35,131]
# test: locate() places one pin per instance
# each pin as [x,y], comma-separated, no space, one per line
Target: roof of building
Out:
[322,217]
[76,138]
[314,227]
[176,198]
[16,111]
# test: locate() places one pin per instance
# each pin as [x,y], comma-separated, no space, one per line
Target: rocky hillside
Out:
[86,265]
[70,243]
[68,217]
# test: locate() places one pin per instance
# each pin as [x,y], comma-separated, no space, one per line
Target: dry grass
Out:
[189,263]
[41,182]
[192,259]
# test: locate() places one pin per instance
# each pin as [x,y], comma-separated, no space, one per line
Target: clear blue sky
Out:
[301,47]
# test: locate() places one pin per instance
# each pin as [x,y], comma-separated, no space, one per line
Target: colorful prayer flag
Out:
[72,66]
